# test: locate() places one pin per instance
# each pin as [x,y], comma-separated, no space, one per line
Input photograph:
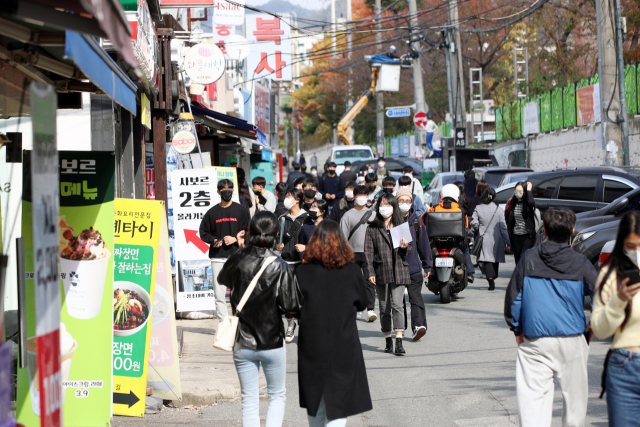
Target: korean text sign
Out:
[194,192]
[137,227]
[86,181]
[588,104]
[270,40]
[261,109]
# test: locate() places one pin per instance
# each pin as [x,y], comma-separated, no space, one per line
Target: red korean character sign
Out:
[270,40]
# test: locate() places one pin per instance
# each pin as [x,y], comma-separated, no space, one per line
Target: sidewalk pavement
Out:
[208,374]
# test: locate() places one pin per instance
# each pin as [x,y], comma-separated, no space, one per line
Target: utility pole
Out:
[608,74]
[447,36]
[333,26]
[418,88]
[457,78]
[379,106]
[621,85]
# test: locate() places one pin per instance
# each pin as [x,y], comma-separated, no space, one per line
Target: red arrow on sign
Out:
[420,119]
[192,236]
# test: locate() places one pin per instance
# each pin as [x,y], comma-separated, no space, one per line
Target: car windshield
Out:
[450,179]
[353,154]
[493,178]
[417,167]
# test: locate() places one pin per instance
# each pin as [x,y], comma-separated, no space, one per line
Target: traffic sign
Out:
[420,119]
[399,112]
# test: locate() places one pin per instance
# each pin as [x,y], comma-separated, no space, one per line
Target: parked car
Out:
[582,190]
[493,174]
[611,212]
[432,192]
[513,178]
[504,193]
[352,153]
[590,241]
[605,253]
[394,164]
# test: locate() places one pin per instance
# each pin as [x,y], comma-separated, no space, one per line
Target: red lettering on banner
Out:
[226,220]
[223,30]
[50,379]
[264,64]
[268,29]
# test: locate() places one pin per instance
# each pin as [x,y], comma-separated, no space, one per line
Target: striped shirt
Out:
[521,226]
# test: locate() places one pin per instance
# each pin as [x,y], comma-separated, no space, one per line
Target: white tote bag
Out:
[228,328]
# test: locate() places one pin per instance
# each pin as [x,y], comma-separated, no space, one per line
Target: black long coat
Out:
[330,359]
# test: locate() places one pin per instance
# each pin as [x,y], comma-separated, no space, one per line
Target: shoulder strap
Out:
[295,228]
[363,219]
[489,223]
[254,282]
[416,225]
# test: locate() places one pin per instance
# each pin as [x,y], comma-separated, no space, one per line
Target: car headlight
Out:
[582,237]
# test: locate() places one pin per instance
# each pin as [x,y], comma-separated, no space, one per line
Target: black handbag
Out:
[477,245]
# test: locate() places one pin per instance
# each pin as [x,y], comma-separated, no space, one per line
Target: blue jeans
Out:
[274,365]
[623,388]
[321,420]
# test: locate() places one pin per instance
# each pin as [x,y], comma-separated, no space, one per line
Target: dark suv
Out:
[493,174]
[582,189]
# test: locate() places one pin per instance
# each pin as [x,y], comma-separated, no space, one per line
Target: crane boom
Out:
[343,126]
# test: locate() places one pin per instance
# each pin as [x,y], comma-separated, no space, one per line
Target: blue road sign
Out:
[399,112]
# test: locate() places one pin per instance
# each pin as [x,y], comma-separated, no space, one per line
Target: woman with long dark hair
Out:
[387,268]
[488,221]
[480,187]
[260,331]
[318,212]
[332,377]
[616,311]
[246,195]
[464,201]
[521,219]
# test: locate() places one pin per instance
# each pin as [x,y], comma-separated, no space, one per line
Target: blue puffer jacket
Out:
[545,296]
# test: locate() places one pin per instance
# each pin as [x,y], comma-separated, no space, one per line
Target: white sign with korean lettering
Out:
[229,13]
[204,63]
[194,192]
[270,41]
[195,291]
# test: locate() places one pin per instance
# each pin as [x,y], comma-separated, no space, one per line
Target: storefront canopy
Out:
[98,66]
[199,110]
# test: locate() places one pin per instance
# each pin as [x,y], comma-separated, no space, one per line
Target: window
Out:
[634,203]
[546,189]
[614,189]
[450,179]
[394,166]
[351,154]
[493,178]
[503,196]
[434,183]
[578,187]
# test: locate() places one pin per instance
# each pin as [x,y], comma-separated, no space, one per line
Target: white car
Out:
[504,193]
[605,253]
[432,193]
[352,153]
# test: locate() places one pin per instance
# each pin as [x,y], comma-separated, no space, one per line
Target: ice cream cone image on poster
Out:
[83,265]
[67,346]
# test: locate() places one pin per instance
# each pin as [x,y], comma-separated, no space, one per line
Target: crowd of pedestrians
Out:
[319,252]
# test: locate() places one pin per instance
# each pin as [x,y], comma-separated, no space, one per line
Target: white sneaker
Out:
[288,336]
[371,316]
[419,333]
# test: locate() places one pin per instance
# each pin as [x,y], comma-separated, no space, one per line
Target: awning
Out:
[98,66]
[199,110]
[262,139]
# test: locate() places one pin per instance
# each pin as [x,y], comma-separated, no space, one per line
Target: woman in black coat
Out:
[521,220]
[332,377]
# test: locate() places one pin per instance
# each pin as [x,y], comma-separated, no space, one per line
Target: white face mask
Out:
[404,207]
[386,211]
[318,195]
[288,203]
[518,195]
[360,179]
[361,201]
[634,256]
[314,173]
[381,165]
[349,194]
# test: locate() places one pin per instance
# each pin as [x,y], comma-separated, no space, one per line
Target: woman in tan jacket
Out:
[616,311]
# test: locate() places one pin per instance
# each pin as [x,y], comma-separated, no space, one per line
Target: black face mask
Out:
[331,172]
[372,188]
[313,215]
[226,195]
[388,190]
[309,193]
[306,206]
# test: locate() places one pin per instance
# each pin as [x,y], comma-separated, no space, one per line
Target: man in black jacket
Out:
[348,174]
[346,203]
[470,184]
[219,228]
[281,192]
[295,174]
[331,186]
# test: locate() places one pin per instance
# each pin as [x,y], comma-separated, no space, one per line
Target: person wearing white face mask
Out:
[520,218]
[354,226]
[386,268]
[346,203]
[418,206]
[415,185]
[382,171]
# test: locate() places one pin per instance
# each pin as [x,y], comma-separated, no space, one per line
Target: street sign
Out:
[461,137]
[399,112]
[420,119]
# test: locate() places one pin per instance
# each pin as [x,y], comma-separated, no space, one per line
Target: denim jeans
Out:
[320,420]
[623,388]
[274,365]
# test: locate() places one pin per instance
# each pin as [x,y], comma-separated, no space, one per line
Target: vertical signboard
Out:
[261,108]
[395,147]
[83,251]
[137,228]
[194,193]
[45,205]
[405,147]
[164,371]
[172,164]
[270,40]
[149,173]
[588,104]
[531,119]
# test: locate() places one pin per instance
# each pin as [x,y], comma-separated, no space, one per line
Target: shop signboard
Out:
[172,164]
[395,147]
[187,3]
[145,116]
[137,228]
[531,119]
[164,372]
[144,42]
[229,13]
[261,108]
[195,291]
[183,142]
[380,149]
[588,104]
[194,192]
[228,173]
[204,63]
[270,41]
[86,212]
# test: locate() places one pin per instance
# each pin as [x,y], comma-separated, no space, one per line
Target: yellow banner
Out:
[137,230]
[228,173]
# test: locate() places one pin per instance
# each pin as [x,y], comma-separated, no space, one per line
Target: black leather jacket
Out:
[276,293]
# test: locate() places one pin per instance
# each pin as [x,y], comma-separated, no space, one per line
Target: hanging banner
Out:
[270,41]
[83,243]
[149,173]
[395,147]
[405,146]
[261,110]
[195,291]
[588,104]
[531,119]
[137,228]
[194,193]
[231,174]
[164,372]
[172,164]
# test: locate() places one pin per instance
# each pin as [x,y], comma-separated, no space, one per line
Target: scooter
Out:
[446,231]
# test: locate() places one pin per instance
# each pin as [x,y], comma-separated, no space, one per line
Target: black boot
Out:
[399,348]
[389,347]
[492,284]
[470,278]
